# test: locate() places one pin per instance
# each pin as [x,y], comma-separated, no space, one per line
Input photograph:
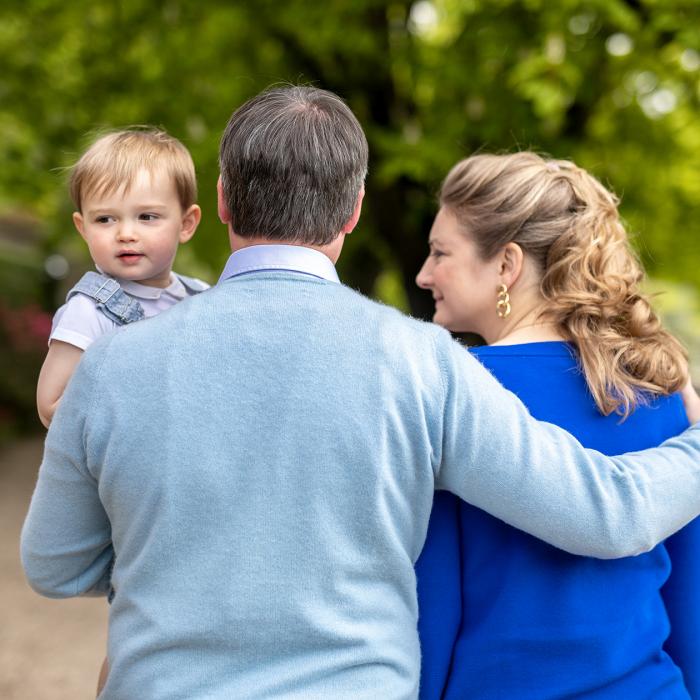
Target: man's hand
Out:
[691,401]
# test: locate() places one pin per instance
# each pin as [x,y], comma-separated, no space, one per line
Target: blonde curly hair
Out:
[569,225]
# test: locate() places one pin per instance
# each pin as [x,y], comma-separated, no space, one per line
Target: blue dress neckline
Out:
[535,349]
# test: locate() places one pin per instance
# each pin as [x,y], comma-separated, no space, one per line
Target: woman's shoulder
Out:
[548,378]
[552,364]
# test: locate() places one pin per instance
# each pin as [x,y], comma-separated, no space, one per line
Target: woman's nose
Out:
[423,278]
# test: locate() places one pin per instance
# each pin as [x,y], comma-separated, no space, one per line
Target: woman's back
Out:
[536,622]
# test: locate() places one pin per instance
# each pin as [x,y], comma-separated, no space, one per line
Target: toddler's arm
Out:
[60,362]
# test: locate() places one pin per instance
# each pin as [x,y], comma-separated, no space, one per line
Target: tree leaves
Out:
[611,83]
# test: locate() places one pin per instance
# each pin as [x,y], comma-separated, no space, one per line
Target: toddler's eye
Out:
[103,219]
[148,217]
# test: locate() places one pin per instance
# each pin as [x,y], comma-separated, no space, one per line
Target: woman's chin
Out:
[444,321]
[451,324]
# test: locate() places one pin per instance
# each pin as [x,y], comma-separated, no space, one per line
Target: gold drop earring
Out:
[502,301]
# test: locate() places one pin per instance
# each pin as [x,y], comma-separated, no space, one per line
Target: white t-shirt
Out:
[79,322]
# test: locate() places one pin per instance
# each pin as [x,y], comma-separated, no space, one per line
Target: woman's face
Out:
[464,286]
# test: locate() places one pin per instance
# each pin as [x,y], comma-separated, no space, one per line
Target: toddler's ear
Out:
[79,223]
[190,221]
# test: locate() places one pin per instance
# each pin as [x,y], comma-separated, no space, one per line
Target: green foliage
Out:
[431,83]
[613,84]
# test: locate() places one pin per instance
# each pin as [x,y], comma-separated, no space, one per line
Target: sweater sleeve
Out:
[538,478]
[66,544]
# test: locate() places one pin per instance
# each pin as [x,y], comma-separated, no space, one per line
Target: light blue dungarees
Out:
[114,302]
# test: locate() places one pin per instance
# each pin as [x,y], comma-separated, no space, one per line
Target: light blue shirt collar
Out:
[292,258]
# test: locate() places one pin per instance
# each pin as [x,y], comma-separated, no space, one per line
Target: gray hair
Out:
[293,160]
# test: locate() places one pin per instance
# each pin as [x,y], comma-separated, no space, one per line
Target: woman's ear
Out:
[510,263]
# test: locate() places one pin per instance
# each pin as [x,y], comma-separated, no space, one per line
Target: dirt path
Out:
[49,649]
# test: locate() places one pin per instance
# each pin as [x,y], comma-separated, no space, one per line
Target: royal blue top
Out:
[505,616]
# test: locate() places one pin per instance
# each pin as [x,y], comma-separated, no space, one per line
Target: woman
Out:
[531,255]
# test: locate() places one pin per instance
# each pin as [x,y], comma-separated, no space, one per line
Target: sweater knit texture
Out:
[254,469]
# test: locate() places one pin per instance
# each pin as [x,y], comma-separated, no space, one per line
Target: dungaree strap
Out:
[109,297]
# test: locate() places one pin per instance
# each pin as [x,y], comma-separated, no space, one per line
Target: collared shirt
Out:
[292,258]
[144,292]
[78,322]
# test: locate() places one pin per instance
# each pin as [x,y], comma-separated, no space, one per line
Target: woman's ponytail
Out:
[569,224]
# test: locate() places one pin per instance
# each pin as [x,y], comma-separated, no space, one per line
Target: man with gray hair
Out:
[258,489]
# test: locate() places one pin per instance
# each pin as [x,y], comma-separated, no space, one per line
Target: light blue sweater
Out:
[259,464]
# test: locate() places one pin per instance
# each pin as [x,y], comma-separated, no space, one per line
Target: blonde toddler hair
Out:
[114,159]
[569,224]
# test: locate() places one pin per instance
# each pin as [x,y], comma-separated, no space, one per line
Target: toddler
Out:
[135,193]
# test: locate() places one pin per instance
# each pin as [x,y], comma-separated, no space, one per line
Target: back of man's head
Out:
[293,160]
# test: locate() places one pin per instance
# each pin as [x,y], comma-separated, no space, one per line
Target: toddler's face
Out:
[134,235]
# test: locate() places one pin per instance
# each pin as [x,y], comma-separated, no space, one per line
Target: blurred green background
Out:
[611,84]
